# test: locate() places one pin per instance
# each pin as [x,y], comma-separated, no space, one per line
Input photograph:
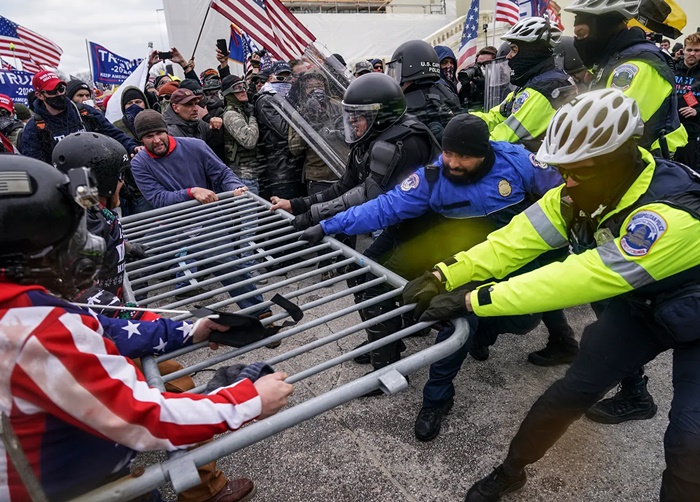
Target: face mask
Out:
[131,112]
[57,102]
[281,88]
[448,73]
[89,102]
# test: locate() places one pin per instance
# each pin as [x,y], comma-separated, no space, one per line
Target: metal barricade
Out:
[242,230]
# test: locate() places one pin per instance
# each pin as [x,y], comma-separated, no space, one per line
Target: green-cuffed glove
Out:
[421,290]
[446,307]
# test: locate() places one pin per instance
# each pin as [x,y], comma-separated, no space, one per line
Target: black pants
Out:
[624,338]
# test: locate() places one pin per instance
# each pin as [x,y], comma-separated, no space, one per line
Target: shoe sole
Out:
[546,363]
[609,420]
[425,439]
[249,495]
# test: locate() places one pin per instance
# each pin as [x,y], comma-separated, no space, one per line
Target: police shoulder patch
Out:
[643,230]
[410,183]
[623,75]
[537,163]
[520,101]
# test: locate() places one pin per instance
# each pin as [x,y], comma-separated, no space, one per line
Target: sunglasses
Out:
[378,67]
[580,175]
[282,78]
[60,89]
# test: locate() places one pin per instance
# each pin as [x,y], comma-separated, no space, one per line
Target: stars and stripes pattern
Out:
[33,50]
[470,35]
[507,11]
[65,377]
[269,23]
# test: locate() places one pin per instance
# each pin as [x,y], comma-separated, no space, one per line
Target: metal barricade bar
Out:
[273,250]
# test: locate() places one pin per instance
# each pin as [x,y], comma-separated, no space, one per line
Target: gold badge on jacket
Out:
[504,188]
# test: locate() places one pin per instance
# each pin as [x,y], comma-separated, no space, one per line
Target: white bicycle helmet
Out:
[626,8]
[590,125]
[532,29]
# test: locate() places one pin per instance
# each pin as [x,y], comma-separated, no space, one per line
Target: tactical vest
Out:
[665,119]
[242,161]
[434,106]
[555,85]
[672,184]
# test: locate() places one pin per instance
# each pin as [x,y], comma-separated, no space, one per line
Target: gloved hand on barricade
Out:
[303,221]
[313,235]
[421,290]
[447,306]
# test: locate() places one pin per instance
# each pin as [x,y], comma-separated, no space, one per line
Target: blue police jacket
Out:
[514,181]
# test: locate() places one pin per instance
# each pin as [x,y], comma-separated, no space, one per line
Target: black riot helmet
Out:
[567,58]
[105,157]
[372,103]
[414,60]
[44,238]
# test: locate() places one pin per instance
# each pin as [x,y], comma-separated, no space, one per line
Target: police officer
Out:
[387,146]
[624,59]
[477,186]
[632,222]
[415,65]
[540,90]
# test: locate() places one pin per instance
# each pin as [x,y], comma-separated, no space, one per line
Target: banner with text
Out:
[108,68]
[16,84]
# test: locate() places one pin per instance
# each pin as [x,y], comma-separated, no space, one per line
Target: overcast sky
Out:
[122,26]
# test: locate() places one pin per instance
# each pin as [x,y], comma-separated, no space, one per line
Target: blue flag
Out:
[236,49]
[108,68]
[16,84]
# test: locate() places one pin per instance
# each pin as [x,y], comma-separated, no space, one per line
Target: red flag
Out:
[268,22]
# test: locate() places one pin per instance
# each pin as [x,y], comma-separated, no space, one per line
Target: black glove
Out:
[134,251]
[421,290]
[313,235]
[249,110]
[446,307]
[303,221]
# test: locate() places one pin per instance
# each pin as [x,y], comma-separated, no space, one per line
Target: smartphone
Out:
[165,55]
[222,46]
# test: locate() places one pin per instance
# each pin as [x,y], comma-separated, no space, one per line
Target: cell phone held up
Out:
[165,55]
[221,45]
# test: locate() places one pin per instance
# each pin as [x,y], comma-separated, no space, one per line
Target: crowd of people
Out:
[584,169]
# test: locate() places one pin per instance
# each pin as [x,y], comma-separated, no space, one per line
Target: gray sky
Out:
[122,26]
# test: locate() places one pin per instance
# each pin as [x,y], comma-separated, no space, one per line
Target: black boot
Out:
[365,359]
[559,350]
[495,485]
[480,353]
[429,421]
[631,402]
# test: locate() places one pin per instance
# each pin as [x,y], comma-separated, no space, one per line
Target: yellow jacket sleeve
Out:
[641,82]
[538,229]
[657,241]
[528,120]
[493,117]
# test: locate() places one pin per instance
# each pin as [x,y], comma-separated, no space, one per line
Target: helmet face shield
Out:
[81,258]
[393,69]
[358,120]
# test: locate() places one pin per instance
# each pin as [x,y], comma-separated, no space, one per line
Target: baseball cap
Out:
[280,67]
[362,67]
[46,81]
[6,103]
[183,96]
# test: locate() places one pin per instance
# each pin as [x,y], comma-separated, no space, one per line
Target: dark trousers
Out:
[624,338]
[484,331]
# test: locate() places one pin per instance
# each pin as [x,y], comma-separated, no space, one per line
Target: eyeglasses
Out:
[60,89]
[580,175]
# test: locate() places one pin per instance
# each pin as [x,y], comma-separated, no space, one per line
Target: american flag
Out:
[551,8]
[5,65]
[507,11]
[470,36]
[268,22]
[27,46]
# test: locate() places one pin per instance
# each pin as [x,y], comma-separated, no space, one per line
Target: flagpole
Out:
[493,43]
[201,29]
[87,48]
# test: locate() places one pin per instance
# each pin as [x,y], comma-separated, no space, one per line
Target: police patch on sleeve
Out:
[623,75]
[410,183]
[643,230]
[520,101]
[537,163]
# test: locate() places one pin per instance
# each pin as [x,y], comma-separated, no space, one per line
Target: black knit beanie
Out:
[466,135]
[132,93]
[75,86]
[149,121]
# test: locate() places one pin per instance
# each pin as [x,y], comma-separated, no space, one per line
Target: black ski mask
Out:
[601,30]
[529,56]
[57,102]
[600,188]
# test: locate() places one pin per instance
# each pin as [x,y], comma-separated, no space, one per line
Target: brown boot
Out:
[237,490]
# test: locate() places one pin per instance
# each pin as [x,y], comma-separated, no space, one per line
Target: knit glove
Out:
[313,235]
[227,375]
[421,290]
[446,307]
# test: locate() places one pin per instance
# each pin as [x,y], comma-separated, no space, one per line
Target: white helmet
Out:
[626,8]
[532,29]
[590,125]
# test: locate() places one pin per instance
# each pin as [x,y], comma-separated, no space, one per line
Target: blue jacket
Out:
[60,126]
[189,163]
[513,183]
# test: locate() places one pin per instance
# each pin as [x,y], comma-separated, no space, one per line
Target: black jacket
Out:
[687,85]
[199,129]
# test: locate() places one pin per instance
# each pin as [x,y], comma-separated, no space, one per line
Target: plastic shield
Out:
[313,106]
[496,82]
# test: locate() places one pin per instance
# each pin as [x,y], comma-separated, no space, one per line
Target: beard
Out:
[464,178]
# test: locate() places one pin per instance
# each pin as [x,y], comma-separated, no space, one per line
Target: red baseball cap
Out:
[6,103]
[46,81]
